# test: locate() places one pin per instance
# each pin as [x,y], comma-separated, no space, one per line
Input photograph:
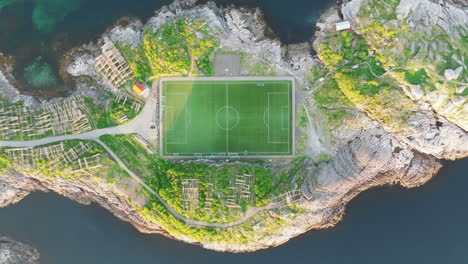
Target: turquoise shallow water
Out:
[32,30]
[387,225]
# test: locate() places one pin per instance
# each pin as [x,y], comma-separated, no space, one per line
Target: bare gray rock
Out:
[82,66]
[434,12]
[433,134]
[82,191]
[12,252]
[128,31]
[350,9]
[10,195]
[368,156]
[450,74]
[371,158]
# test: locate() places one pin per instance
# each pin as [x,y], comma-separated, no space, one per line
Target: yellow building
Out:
[139,89]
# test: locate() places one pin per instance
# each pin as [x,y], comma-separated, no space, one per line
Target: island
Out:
[202,126]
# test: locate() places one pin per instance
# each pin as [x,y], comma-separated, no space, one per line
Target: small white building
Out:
[343,25]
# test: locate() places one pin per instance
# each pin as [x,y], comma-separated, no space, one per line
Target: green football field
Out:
[227,118]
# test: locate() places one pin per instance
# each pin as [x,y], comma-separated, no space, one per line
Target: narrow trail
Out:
[94,135]
[139,125]
[251,211]
[386,73]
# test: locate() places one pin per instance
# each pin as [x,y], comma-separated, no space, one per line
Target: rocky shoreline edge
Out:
[366,154]
[12,252]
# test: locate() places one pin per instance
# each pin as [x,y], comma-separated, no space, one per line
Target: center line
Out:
[227,119]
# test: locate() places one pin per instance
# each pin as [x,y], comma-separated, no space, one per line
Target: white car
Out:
[153,125]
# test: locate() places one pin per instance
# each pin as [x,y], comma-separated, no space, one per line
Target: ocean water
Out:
[38,32]
[43,30]
[387,225]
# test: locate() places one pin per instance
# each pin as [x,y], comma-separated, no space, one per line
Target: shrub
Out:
[416,77]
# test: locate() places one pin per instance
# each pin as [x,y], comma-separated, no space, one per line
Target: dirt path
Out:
[141,125]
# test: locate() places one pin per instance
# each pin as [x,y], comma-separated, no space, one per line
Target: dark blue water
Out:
[41,31]
[387,225]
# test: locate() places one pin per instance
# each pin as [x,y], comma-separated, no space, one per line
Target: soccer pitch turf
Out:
[226,118]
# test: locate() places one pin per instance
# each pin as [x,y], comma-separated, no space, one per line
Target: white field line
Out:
[170,112]
[230,79]
[223,154]
[268,117]
[282,117]
[292,88]
[276,142]
[290,121]
[221,82]
[241,80]
[185,121]
[227,117]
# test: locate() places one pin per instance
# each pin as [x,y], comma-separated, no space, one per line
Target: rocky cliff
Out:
[364,153]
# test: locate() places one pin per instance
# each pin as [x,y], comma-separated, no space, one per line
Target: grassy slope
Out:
[400,46]
[214,181]
[178,48]
[382,98]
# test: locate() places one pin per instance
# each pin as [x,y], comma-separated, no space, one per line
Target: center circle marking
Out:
[227,118]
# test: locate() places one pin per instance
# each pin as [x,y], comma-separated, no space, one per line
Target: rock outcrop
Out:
[451,75]
[423,13]
[84,191]
[12,252]
[372,158]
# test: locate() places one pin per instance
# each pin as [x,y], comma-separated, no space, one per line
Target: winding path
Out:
[345,65]
[251,211]
[140,125]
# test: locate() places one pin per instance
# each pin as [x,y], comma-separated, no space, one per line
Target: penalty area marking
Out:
[186,121]
[268,120]
[233,111]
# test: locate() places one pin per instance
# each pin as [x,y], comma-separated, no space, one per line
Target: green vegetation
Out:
[178,48]
[132,153]
[136,59]
[332,102]
[214,182]
[290,177]
[329,57]
[87,80]
[68,169]
[384,9]
[464,93]
[302,120]
[17,131]
[416,77]
[4,161]
[110,113]
[362,83]
[322,157]
[220,117]
[238,235]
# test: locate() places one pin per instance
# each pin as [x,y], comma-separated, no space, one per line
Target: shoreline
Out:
[397,162]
